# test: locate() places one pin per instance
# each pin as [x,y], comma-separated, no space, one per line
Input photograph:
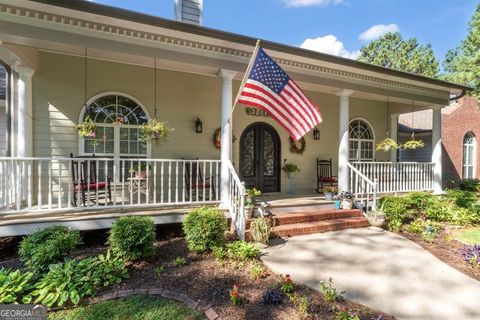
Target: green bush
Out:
[395,209]
[418,202]
[15,286]
[241,250]
[48,246]
[464,199]
[73,280]
[133,237]
[469,185]
[204,228]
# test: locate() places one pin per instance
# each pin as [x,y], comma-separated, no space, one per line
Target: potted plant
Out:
[139,169]
[329,192]
[413,144]
[376,217]
[154,130]
[250,201]
[290,169]
[347,200]
[86,128]
[261,228]
[387,144]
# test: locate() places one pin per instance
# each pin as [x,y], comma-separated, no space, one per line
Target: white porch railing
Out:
[237,191]
[40,184]
[363,188]
[395,177]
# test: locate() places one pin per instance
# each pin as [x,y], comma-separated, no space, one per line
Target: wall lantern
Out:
[316,134]
[198,126]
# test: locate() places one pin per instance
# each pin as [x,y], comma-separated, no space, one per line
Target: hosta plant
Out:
[15,286]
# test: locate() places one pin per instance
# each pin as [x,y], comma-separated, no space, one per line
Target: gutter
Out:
[462,94]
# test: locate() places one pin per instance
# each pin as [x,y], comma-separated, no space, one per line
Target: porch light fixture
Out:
[198,126]
[316,134]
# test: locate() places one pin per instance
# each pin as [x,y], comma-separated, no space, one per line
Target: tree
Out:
[392,51]
[462,65]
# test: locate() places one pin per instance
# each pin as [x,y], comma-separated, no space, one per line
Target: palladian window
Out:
[361,141]
[469,155]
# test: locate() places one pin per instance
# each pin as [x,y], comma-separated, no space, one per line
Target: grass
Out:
[132,308]
[469,235]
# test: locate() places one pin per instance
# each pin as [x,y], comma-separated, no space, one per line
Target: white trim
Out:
[473,145]
[362,140]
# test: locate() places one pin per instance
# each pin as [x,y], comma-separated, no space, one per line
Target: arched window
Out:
[361,141]
[118,119]
[469,155]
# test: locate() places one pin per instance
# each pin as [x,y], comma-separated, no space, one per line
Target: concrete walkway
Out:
[381,270]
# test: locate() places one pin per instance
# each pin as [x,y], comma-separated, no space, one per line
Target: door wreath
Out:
[217,138]
[294,147]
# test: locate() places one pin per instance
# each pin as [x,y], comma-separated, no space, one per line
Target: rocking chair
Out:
[196,183]
[324,174]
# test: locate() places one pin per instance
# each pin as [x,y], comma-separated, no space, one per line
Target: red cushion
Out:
[93,186]
[327,179]
[201,185]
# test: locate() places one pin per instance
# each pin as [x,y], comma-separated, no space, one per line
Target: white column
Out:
[394,135]
[226,138]
[343,123]
[24,111]
[437,148]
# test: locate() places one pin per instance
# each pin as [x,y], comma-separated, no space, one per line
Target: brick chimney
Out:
[189,11]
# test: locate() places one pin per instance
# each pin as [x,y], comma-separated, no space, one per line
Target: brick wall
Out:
[465,118]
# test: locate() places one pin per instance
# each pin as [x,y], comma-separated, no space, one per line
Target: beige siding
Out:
[3,129]
[181,98]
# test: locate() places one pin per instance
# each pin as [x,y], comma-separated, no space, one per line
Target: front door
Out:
[260,157]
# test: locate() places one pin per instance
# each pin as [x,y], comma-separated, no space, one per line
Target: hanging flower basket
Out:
[154,130]
[413,143]
[86,128]
[387,144]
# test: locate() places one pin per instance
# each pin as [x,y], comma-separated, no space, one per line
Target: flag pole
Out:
[245,76]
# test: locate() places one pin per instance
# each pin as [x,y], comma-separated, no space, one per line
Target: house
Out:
[3,122]
[74,60]
[460,128]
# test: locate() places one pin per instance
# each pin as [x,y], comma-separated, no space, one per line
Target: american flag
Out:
[269,88]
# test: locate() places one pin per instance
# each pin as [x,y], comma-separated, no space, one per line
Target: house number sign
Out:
[255,112]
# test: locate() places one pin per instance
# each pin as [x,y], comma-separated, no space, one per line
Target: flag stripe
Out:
[260,105]
[301,101]
[294,101]
[286,106]
[312,106]
[273,108]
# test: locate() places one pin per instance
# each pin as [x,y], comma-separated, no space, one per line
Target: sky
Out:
[339,27]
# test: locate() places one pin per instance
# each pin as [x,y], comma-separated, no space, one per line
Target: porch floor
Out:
[285,200]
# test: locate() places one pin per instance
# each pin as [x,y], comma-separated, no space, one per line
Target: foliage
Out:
[160,269]
[261,228]
[15,286]
[345,195]
[220,253]
[287,284]
[50,245]
[469,185]
[73,280]
[235,297]
[329,292]
[241,250]
[420,226]
[392,51]
[472,255]
[250,196]
[395,209]
[86,128]
[179,261]
[386,145]
[133,237]
[204,228]
[154,130]
[462,64]
[330,189]
[132,308]
[257,270]
[420,201]
[344,315]
[272,297]
[290,168]
[464,199]
[413,144]
[301,305]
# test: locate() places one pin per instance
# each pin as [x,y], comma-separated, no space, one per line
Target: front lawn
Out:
[469,235]
[133,308]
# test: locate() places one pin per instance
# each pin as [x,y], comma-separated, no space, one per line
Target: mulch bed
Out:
[446,249]
[204,278]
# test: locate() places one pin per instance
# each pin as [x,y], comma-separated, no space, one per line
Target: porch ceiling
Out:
[68,31]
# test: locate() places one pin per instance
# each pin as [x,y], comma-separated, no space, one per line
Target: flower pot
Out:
[376,221]
[338,204]
[347,204]
[142,174]
[329,196]
[249,212]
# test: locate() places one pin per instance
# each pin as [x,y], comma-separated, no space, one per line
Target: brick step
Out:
[296,229]
[315,214]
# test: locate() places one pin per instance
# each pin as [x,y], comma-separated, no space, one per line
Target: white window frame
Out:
[117,156]
[359,147]
[467,150]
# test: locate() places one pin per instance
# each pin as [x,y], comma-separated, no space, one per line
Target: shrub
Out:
[461,198]
[472,255]
[257,270]
[420,201]
[287,284]
[133,238]
[469,185]
[343,315]
[272,297]
[179,261]
[395,209]
[301,305]
[48,246]
[241,251]
[204,228]
[15,286]
[73,280]
[261,228]
[330,293]
[420,226]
